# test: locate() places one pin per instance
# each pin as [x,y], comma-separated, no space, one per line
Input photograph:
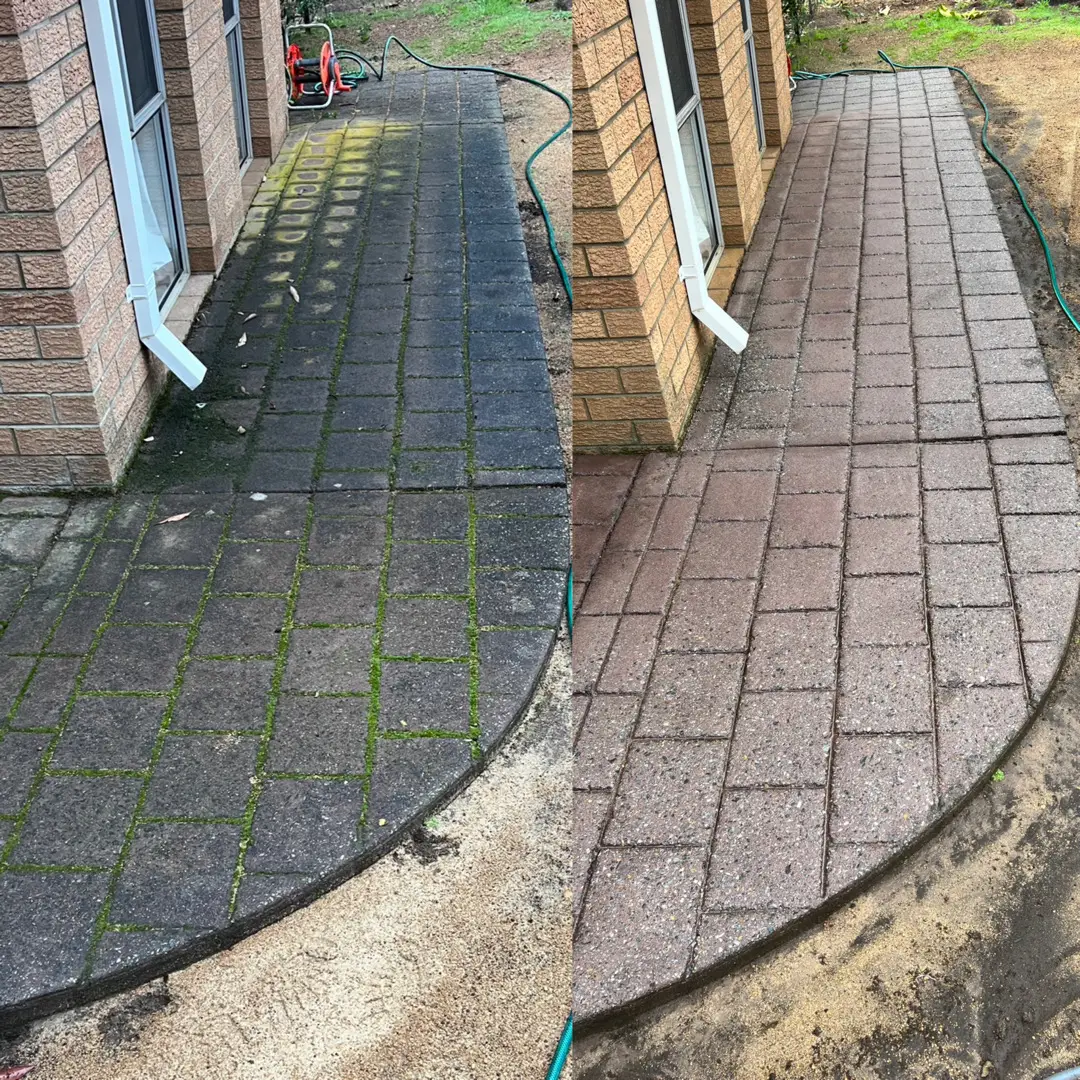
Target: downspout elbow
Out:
[708,312]
[161,341]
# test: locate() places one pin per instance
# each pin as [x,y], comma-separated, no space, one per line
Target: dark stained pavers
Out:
[803,639]
[207,721]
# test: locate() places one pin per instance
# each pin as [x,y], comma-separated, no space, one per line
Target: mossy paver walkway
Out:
[329,586]
[805,638]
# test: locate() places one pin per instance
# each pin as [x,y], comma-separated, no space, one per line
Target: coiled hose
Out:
[803,76]
[378,71]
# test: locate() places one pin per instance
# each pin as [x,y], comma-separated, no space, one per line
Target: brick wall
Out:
[767,19]
[199,94]
[639,355]
[75,385]
[264,59]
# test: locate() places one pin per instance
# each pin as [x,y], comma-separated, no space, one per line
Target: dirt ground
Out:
[964,962]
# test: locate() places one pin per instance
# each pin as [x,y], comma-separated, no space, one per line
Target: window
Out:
[148,124]
[751,68]
[679,61]
[234,44]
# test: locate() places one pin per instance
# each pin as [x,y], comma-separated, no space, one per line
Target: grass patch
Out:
[931,37]
[468,29]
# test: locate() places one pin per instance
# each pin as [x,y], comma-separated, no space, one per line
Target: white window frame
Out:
[234,31]
[692,113]
[661,105]
[109,83]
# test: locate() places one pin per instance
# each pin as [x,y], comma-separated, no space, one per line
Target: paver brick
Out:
[971,575]
[792,651]
[975,647]
[650,895]
[669,792]
[883,787]
[768,845]
[884,689]
[600,747]
[974,724]
[691,696]
[953,517]
[630,657]
[781,739]
[800,579]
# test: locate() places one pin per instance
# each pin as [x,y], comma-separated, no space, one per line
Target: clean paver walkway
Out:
[208,720]
[803,639]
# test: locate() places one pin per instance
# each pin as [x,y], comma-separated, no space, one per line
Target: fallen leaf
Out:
[295,295]
[242,430]
[248,318]
[258,496]
[200,404]
[382,821]
[14,1072]
[242,342]
[149,438]
[175,517]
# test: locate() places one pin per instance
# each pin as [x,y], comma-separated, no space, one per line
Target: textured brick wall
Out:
[638,352]
[639,355]
[264,57]
[204,136]
[75,385]
[770,48]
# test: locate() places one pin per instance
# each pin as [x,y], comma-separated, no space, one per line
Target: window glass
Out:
[703,221]
[138,50]
[228,10]
[236,65]
[676,51]
[161,240]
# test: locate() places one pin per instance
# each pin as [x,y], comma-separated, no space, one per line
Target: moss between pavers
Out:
[262,231]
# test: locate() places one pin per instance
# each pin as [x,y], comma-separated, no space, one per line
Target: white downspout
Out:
[101,40]
[661,105]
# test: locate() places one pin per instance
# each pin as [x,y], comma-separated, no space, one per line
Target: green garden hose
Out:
[378,73]
[803,76]
[563,1052]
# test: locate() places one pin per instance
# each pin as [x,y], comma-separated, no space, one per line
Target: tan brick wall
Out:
[639,355]
[767,18]
[264,59]
[75,384]
[199,94]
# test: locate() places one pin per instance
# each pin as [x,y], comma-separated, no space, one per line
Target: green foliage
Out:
[469,29]
[943,35]
[796,18]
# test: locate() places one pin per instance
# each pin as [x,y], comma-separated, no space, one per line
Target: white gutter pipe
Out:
[661,104]
[101,39]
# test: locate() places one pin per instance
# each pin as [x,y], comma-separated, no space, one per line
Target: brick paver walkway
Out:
[805,638]
[207,721]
